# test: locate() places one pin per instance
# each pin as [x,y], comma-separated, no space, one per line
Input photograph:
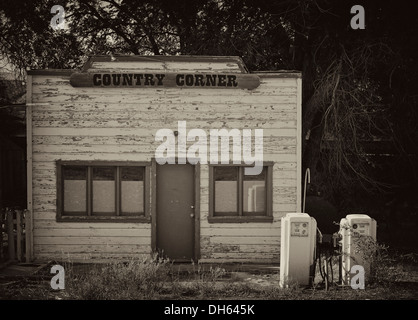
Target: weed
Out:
[380,265]
[153,278]
[133,279]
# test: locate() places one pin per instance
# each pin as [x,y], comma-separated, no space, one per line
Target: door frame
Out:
[196,253]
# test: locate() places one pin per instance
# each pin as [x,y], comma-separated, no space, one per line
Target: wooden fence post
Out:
[10,235]
[28,235]
[1,234]
[19,235]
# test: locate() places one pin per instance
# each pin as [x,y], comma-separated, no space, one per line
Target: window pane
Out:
[226,189]
[254,192]
[104,189]
[75,187]
[132,190]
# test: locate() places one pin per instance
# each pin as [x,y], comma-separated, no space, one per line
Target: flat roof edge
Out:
[69,72]
[50,72]
[165,58]
[279,74]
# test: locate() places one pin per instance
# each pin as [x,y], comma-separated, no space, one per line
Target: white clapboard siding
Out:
[46,240]
[244,248]
[48,224]
[166,123]
[242,257]
[139,132]
[120,124]
[140,107]
[155,66]
[140,149]
[153,97]
[73,256]
[134,156]
[136,140]
[168,115]
[130,249]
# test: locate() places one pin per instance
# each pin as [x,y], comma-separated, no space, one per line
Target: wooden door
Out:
[175,211]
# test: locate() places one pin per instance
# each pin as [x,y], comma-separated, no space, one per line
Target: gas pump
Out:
[352,227]
[298,239]
[322,250]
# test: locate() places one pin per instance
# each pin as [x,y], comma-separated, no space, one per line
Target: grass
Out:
[152,278]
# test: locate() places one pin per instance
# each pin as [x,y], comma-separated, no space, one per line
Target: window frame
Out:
[88,216]
[241,217]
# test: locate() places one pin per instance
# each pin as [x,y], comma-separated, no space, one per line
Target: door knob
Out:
[192,215]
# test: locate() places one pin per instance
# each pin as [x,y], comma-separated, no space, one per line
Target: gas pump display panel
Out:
[299,229]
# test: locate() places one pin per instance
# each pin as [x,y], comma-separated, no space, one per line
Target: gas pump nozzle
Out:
[320,237]
[335,239]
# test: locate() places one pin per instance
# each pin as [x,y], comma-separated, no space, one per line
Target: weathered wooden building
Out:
[97,189]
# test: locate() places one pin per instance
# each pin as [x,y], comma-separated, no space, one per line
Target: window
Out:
[236,197]
[91,191]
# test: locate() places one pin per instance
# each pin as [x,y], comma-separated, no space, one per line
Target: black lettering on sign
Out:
[180,80]
[210,80]
[232,81]
[138,78]
[106,79]
[160,78]
[127,79]
[191,80]
[199,81]
[97,79]
[148,80]
[221,80]
[116,79]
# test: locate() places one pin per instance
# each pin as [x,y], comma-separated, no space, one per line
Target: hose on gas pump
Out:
[325,266]
[318,252]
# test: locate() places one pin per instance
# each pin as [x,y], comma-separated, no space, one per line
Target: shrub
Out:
[382,267]
[133,279]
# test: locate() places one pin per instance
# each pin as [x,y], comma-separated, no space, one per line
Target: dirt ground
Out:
[254,282]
